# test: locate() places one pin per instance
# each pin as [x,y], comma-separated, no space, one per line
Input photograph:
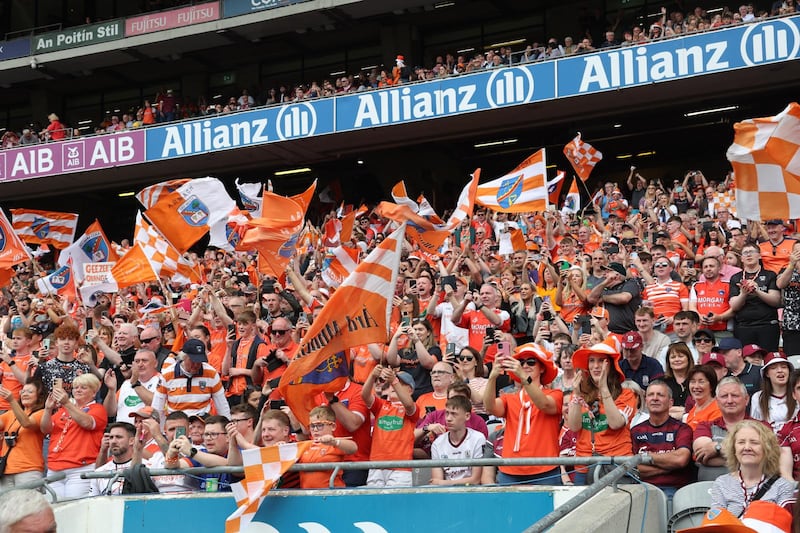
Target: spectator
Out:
[703,389]
[459,442]
[487,314]
[753,459]
[755,299]
[598,398]
[655,343]
[135,392]
[150,339]
[788,281]
[620,296]
[776,249]
[327,448]
[76,429]
[680,364]
[710,298]
[28,138]
[16,360]
[667,440]
[121,437]
[21,424]
[181,390]
[239,365]
[711,457]
[533,407]
[441,378]
[26,510]
[637,366]
[213,453]
[391,441]
[774,404]
[684,326]
[749,374]
[55,131]
[64,368]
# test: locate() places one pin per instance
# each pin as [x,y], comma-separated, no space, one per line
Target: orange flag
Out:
[346,233]
[517,240]
[357,313]
[12,249]
[133,268]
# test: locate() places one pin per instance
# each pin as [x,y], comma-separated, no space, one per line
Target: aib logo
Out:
[296,120]
[777,40]
[509,86]
[73,155]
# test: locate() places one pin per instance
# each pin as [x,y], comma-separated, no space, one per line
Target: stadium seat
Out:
[689,505]
[794,359]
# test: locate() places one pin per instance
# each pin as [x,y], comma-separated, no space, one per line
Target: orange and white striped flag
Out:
[357,313]
[165,260]
[521,190]
[263,467]
[582,156]
[149,196]
[338,264]
[765,156]
[45,227]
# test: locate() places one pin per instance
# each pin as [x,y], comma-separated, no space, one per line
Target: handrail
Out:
[563,510]
[43,483]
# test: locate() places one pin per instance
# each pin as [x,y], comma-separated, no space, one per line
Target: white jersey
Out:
[469,448]
[778,410]
[111,486]
[129,402]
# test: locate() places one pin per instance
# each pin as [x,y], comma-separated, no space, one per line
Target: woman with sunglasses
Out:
[469,367]
[532,413]
[600,408]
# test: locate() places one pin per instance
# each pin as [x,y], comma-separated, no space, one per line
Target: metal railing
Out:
[39,484]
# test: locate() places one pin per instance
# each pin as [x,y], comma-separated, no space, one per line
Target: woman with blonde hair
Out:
[571,294]
[753,459]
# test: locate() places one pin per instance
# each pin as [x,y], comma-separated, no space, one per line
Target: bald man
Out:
[725,270]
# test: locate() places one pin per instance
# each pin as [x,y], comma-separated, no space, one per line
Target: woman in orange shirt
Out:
[571,294]
[21,424]
[702,387]
[600,408]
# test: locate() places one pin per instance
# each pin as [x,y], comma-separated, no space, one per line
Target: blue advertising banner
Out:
[15,48]
[238,130]
[233,8]
[746,45]
[490,89]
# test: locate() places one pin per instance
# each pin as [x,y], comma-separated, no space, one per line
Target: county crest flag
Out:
[61,282]
[765,156]
[357,313]
[521,190]
[582,156]
[250,195]
[91,247]
[45,227]
[185,214]
[554,187]
[572,203]
[263,467]
[12,249]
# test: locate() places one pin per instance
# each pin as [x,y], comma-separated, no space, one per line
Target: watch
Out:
[718,448]
[137,384]
[11,363]
[529,380]
[193,452]
[334,399]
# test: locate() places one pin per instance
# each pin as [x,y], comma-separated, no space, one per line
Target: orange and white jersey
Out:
[193,396]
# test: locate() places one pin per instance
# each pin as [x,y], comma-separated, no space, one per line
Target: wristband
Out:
[11,363]
[334,399]
[193,452]
[137,384]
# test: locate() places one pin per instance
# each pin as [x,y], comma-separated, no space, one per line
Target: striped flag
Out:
[582,156]
[263,467]
[91,247]
[61,282]
[554,187]
[521,190]
[338,264]
[357,313]
[12,249]
[149,196]
[572,203]
[765,156]
[184,215]
[45,227]
[164,259]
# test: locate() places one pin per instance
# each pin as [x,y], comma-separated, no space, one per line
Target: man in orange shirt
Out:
[14,364]
[776,250]
[278,353]
[239,362]
[441,378]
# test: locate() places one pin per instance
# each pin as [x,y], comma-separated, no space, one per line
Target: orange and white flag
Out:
[91,247]
[132,268]
[164,258]
[45,227]
[572,203]
[263,467]
[12,249]
[765,156]
[582,156]
[149,196]
[185,214]
[357,313]
[61,282]
[338,264]
[521,190]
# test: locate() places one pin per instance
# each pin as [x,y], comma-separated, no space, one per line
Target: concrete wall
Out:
[643,510]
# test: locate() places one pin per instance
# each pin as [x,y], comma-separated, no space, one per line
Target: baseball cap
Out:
[750,349]
[773,358]
[598,311]
[146,412]
[406,378]
[195,350]
[713,357]
[728,343]
[707,333]
[618,268]
[196,418]
[774,222]
[662,235]
[631,340]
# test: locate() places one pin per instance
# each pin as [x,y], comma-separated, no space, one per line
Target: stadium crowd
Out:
[167,106]
[653,321]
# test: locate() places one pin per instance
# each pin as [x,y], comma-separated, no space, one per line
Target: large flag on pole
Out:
[357,313]
[91,247]
[582,156]
[45,227]
[263,467]
[164,258]
[12,249]
[61,282]
[521,190]
[765,156]
[185,214]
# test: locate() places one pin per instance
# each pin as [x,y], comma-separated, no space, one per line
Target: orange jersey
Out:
[196,400]
[708,413]
[776,257]
[667,298]
[393,432]
[530,432]
[428,400]
[711,297]
[320,479]
[27,453]
[71,446]
[9,380]
[362,363]
[607,441]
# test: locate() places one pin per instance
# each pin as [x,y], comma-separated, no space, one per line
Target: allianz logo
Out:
[312,527]
[296,120]
[773,41]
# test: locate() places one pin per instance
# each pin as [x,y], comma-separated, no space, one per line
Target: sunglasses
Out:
[661,265]
[529,362]
[145,341]
[466,358]
[703,339]
[279,331]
